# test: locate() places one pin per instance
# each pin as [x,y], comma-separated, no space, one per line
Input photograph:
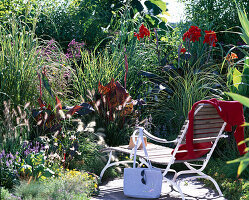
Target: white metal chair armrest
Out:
[156,139]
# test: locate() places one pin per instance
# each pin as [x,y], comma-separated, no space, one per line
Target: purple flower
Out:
[3,152]
[42,147]
[10,162]
[7,164]
[51,42]
[11,156]
[74,49]
[66,75]
[24,144]
[26,152]
[36,149]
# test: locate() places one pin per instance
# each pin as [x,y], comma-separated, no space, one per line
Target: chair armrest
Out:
[156,139]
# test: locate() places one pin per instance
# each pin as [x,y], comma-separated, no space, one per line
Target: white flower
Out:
[56,156]
[72,149]
[62,114]
[80,127]
[73,137]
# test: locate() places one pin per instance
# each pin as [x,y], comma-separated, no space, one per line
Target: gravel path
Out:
[193,190]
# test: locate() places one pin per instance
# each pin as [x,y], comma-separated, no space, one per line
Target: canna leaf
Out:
[242,166]
[81,109]
[156,10]
[245,25]
[161,4]
[244,141]
[236,78]
[240,98]
[58,104]
[245,77]
[246,124]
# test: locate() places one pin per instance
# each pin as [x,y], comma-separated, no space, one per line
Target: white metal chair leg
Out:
[106,166]
[206,177]
[214,182]
[202,175]
[174,184]
[109,164]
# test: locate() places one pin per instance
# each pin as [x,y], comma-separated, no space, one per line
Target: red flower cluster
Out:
[183,50]
[193,34]
[143,31]
[210,38]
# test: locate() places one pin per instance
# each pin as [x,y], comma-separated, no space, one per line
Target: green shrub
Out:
[5,194]
[225,175]
[81,20]
[70,184]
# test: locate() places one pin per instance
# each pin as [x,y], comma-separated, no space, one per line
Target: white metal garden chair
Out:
[208,127]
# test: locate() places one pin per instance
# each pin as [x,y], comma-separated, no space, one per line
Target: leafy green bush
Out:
[92,20]
[225,175]
[70,184]
[80,20]
[5,194]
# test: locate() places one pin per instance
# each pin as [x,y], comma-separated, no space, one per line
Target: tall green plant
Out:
[22,55]
[18,63]
[141,54]
[245,25]
[102,66]
[238,73]
[244,161]
[179,95]
[94,68]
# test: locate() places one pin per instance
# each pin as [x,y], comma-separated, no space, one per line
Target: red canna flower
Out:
[210,38]
[193,34]
[137,35]
[183,50]
[143,31]
[186,35]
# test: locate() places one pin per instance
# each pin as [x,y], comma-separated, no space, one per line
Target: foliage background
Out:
[216,15]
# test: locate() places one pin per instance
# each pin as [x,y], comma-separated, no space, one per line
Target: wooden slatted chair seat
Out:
[158,154]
